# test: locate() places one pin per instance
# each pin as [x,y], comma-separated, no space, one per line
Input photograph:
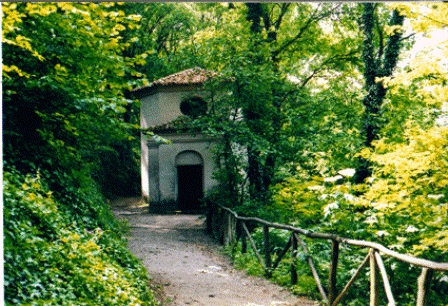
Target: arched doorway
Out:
[190,181]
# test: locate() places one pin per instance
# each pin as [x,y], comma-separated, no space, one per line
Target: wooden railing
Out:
[230,228]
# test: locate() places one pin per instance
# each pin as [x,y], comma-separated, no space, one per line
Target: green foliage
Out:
[64,102]
[287,107]
[159,36]
[402,205]
[260,48]
[54,258]
[402,208]
[249,263]
[68,119]
[322,133]
[409,190]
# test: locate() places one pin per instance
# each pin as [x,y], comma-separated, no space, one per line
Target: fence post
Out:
[293,259]
[243,245]
[226,225]
[229,229]
[386,283]
[313,268]
[232,229]
[423,284]
[243,238]
[374,286]
[209,220]
[238,233]
[332,291]
[220,225]
[267,251]
[254,247]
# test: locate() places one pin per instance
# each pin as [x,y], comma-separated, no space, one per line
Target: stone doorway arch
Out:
[190,181]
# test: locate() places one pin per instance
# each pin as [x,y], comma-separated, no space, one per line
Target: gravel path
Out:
[187,263]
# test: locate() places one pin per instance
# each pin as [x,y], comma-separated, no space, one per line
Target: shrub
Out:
[52,258]
[402,207]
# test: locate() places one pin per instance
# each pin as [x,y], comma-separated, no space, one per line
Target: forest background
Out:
[343,120]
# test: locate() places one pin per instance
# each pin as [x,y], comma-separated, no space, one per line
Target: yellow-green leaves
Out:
[43,10]
[9,69]
[391,30]
[11,18]
[427,67]
[52,260]
[410,180]
[11,23]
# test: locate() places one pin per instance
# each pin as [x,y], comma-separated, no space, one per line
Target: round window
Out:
[193,107]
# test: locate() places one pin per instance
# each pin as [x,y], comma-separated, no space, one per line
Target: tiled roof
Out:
[192,76]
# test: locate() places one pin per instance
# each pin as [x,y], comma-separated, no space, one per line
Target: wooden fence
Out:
[226,225]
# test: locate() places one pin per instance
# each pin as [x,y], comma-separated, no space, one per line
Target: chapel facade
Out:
[176,165]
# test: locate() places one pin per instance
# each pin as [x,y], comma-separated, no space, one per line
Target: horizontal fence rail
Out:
[231,228]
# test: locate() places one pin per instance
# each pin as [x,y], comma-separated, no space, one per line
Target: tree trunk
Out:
[378,63]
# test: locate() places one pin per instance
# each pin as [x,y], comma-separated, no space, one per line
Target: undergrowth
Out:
[64,247]
[403,277]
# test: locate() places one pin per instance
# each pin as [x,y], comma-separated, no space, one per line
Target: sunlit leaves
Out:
[75,36]
[51,259]
[429,76]
[65,71]
[409,184]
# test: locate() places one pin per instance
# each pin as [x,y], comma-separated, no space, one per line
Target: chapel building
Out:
[176,164]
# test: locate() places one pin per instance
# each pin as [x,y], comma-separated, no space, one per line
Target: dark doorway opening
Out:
[190,188]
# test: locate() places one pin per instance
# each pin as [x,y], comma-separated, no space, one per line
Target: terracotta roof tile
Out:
[192,76]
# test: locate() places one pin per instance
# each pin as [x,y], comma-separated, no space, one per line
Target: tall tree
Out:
[380,56]
[258,46]
[267,25]
[380,59]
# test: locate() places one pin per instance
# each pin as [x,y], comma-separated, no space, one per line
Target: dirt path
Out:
[187,263]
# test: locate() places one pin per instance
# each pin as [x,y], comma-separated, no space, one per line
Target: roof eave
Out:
[142,92]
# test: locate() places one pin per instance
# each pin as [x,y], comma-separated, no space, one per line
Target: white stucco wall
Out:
[158,161]
[167,163]
[155,110]
[144,166]
[162,107]
[162,172]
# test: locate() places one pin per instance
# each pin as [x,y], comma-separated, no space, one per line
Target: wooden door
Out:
[190,187]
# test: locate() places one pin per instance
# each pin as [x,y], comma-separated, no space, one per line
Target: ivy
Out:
[53,259]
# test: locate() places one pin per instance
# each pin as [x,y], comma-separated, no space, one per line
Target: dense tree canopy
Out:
[331,116]
[64,111]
